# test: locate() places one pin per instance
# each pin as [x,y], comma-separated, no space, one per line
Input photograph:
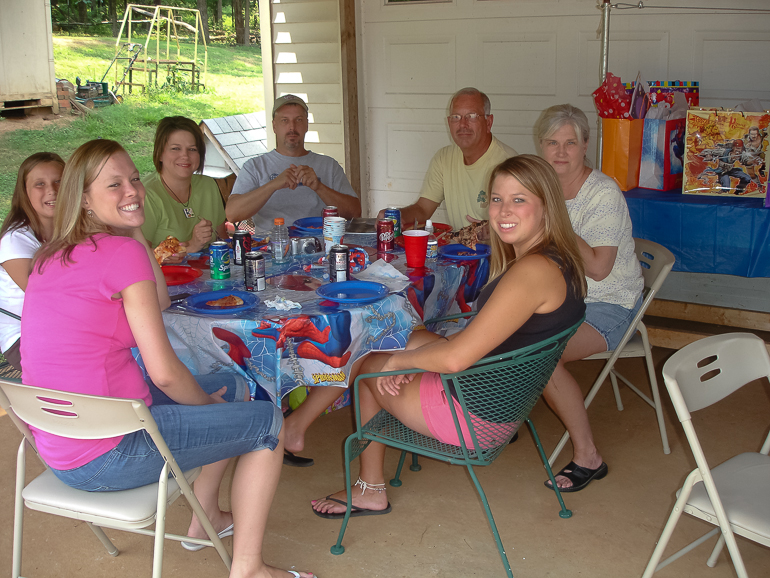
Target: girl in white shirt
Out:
[28,225]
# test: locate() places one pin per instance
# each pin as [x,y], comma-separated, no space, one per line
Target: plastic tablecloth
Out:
[722,235]
[278,351]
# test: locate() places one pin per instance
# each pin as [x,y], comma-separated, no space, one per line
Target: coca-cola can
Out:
[241,246]
[331,211]
[385,235]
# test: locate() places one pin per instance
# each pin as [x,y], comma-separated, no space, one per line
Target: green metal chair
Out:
[485,389]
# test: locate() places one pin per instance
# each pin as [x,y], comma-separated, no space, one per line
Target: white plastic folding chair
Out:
[91,417]
[735,495]
[656,262]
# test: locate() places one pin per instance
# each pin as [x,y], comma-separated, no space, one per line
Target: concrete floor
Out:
[437,526]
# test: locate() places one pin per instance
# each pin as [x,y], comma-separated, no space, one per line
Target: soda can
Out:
[394,215]
[254,271]
[331,211]
[385,236]
[219,255]
[339,263]
[241,246]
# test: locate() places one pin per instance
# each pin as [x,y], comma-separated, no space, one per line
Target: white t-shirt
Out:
[286,203]
[599,215]
[16,244]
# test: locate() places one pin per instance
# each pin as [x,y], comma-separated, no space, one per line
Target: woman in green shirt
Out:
[179,202]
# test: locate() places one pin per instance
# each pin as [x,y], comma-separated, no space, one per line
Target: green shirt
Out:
[164,215]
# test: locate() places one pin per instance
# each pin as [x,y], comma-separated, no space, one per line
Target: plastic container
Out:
[279,242]
[432,251]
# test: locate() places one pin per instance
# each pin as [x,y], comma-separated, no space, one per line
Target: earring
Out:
[90,213]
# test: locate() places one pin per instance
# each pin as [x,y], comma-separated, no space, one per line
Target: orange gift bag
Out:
[622,150]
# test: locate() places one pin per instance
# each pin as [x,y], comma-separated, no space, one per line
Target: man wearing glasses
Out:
[290,181]
[459,173]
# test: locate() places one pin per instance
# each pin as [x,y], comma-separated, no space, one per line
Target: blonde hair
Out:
[555,117]
[539,178]
[71,225]
[22,213]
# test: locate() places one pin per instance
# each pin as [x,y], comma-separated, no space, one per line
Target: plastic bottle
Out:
[432,252]
[279,242]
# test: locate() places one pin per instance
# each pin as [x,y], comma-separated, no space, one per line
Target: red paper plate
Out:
[179,274]
[201,262]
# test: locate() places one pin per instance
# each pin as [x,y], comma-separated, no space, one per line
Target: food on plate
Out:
[467,236]
[227,301]
[169,246]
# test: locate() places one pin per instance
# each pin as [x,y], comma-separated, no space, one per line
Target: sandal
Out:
[579,476]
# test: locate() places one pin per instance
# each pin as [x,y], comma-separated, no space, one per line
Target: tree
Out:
[218,12]
[112,14]
[204,10]
[240,28]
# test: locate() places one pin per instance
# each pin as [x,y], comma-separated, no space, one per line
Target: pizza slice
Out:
[169,246]
[227,301]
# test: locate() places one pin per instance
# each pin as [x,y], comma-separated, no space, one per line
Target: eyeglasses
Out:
[470,117]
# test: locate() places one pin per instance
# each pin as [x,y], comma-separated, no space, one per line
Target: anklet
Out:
[379,488]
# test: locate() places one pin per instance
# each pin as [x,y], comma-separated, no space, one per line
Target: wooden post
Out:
[350,96]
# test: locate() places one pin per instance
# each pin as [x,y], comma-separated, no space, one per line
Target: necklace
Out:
[188,212]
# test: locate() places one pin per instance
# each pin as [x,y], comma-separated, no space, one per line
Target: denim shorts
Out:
[611,321]
[196,435]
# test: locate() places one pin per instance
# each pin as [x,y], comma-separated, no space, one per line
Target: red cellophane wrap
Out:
[611,99]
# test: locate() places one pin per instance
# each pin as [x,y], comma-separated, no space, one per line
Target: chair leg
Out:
[338,548]
[18,514]
[490,518]
[558,448]
[106,542]
[615,390]
[415,467]
[654,389]
[563,512]
[396,481]
[712,561]
[160,523]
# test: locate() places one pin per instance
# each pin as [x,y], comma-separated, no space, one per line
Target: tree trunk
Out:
[82,12]
[112,14]
[218,13]
[246,33]
[204,10]
[238,21]
[257,29]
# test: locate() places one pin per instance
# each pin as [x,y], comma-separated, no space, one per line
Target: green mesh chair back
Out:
[496,395]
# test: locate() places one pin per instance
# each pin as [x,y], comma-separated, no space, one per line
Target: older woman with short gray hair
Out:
[602,226]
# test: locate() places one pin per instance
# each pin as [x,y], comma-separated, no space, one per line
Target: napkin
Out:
[283,304]
[385,273]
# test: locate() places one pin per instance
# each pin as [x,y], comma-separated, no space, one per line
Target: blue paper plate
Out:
[197,302]
[312,224]
[460,252]
[353,291]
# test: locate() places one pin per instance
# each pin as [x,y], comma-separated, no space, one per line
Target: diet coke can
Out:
[339,263]
[254,271]
[385,236]
[331,211]
[241,246]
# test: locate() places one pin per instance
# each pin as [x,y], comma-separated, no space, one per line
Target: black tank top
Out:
[539,326]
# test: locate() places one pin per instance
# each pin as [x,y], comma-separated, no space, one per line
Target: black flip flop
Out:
[289,459]
[354,511]
[579,476]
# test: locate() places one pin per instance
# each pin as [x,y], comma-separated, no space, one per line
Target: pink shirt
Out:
[76,337]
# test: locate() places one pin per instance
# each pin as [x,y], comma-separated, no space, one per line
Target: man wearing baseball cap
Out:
[290,181]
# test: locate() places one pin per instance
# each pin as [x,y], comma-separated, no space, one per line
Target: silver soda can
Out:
[254,271]
[339,263]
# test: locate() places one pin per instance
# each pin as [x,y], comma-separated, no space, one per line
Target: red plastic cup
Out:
[416,246]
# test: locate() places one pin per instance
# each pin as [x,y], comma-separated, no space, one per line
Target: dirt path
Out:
[35,121]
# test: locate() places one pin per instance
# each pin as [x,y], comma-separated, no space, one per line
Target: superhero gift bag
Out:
[622,150]
[662,154]
[725,153]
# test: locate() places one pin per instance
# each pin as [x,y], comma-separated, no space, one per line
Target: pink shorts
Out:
[438,416]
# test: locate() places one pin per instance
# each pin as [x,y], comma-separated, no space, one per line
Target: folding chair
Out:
[735,495]
[500,389]
[90,417]
[656,262]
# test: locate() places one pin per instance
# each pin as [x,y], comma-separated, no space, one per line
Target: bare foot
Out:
[369,500]
[220,522]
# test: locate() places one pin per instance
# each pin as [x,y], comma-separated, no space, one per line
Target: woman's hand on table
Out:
[201,236]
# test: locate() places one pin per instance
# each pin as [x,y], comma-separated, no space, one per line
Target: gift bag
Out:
[622,150]
[726,152]
[662,154]
[663,91]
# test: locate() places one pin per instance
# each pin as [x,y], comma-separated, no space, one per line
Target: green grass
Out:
[233,86]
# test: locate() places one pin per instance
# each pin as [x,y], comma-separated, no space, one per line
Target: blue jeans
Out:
[611,321]
[197,435]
